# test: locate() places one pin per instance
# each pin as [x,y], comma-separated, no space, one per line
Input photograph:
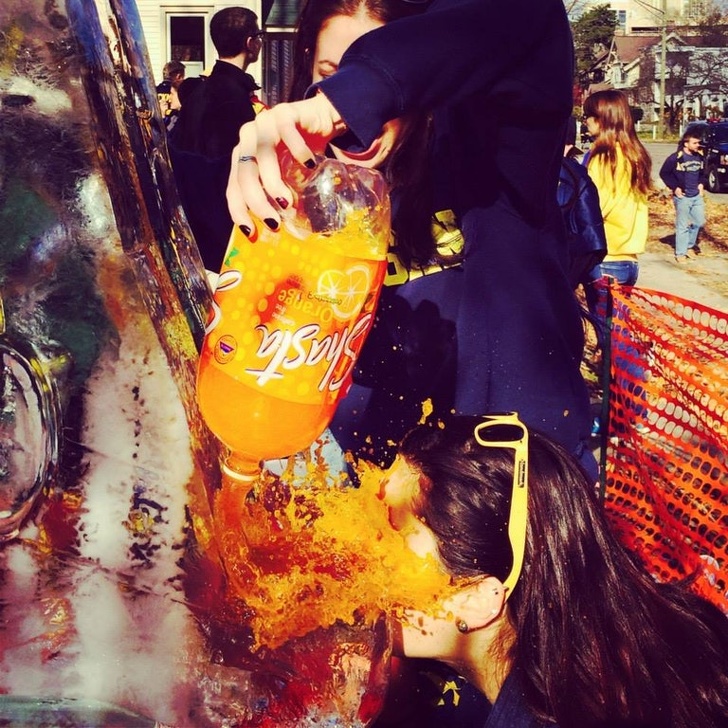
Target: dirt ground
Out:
[713,239]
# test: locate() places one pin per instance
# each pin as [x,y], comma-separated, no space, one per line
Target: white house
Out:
[621,63]
[640,16]
[696,77]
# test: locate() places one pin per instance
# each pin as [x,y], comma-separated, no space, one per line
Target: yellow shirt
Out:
[624,209]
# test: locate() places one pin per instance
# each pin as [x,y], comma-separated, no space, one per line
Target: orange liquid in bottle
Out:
[289,319]
[258,426]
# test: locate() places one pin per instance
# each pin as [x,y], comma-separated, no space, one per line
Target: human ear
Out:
[250,44]
[478,604]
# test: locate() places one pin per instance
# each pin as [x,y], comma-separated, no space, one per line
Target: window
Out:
[186,41]
[278,67]
[279,23]
[284,13]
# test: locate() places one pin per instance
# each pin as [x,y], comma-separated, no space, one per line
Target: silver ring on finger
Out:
[247,158]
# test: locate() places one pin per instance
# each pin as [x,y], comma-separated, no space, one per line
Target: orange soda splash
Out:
[304,557]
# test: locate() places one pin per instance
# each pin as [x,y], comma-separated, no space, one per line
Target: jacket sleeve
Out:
[444,55]
[667,172]
[588,217]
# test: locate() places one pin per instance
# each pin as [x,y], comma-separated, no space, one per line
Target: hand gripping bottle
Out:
[290,315]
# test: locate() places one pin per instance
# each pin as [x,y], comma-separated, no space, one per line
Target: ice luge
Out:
[102,588]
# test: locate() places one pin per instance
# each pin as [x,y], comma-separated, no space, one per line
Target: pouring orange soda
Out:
[291,312]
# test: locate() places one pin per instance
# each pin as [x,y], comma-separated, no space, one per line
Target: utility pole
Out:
[663,68]
[661,13]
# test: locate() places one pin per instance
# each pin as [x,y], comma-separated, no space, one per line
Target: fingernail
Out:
[282,202]
[310,163]
[271,223]
[245,230]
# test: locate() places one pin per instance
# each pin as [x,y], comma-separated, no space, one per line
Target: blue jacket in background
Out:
[578,199]
[672,172]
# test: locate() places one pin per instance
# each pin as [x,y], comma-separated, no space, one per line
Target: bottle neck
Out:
[237,467]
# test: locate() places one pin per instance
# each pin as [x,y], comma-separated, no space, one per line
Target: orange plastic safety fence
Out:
[666,475]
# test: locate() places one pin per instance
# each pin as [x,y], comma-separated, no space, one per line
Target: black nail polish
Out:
[271,223]
[310,163]
[282,202]
[245,230]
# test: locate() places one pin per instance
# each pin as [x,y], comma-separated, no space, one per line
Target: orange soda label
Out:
[290,315]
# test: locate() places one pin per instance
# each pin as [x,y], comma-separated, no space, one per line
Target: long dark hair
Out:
[616,128]
[407,170]
[598,642]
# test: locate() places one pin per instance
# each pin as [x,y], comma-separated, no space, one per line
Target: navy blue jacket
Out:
[510,711]
[503,331]
[578,199]
[437,697]
[672,172]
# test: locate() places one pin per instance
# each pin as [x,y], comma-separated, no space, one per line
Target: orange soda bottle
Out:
[291,312]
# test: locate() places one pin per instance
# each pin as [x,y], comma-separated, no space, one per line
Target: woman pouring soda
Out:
[502,329]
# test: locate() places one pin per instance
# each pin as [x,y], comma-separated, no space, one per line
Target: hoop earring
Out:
[462,626]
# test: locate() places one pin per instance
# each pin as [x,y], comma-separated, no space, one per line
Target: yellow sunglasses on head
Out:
[506,430]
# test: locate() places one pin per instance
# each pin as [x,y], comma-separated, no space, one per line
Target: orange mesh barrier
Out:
[666,489]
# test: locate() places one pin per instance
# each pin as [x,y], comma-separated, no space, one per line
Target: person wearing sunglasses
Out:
[215,112]
[501,329]
[552,623]
[207,130]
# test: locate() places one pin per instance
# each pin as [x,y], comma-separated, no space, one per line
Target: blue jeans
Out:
[627,357]
[689,218]
[624,272]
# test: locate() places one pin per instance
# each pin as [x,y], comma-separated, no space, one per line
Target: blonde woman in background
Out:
[621,169]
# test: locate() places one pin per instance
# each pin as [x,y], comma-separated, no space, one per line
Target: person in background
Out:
[683,172]
[207,130]
[552,622]
[325,30]
[497,326]
[579,202]
[214,114]
[187,88]
[167,91]
[621,169]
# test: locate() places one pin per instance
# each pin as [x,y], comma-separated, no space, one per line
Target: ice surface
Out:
[107,591]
